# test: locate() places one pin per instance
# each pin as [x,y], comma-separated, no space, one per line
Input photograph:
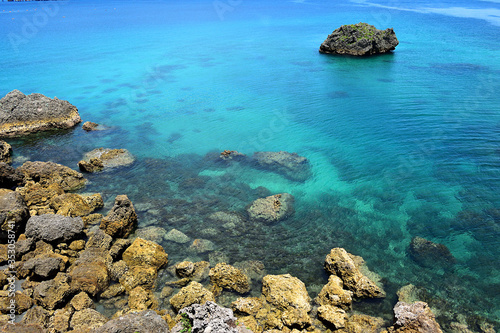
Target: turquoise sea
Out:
[401,145]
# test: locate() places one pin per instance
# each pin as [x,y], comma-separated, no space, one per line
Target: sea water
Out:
[401,145]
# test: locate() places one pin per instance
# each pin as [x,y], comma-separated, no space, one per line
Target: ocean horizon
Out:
[401,145]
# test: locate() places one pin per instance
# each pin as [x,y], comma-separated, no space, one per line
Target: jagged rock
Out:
[47,173]
[87,320]
[200,245]
[334,294]
[118,269]
[193,293]
[184,269]
[54,228]
[121,219]
[340,263]
[45,266]
[208,317]
[144,321]
[70,204]
[176,236]
[37,197]
[145,253]
[118,247]
[430,254]
[5,152]
[90,126]
[247,306]
[359,39]
[10,177]
[140,299]
[77,245]
[271,209]
[21,328]
[290,165]
[37,315]
[54,293]
[90,272]
[99,239]
[13,213]
[22,114]
[94,201]
[332,315]
[22,302]
[103,158]
[23,246]
[359,323]
[60,319]
[286,291]
[113,291]
[416,317]
[82,301]
[228,277]
[296,318]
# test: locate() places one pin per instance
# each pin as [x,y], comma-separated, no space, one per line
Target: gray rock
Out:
[416,317]
[54,228]
[144,321]
[208,317]
[289,165]
[10,177]
[271,209]
[13,213]
[43,266]
[99,239]
[21,114]
[359,39]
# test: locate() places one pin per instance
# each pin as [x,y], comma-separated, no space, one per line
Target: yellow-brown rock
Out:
[184,269]
[286,291]
[340,263]
[247,305]
[332,315]
[47,173]
[229,277]
[121,219]
[60,319]
[334,294]
[70,204]
[140,299]
[360,323]
[145,253]
[82,301]
[296,318]
[86,320]
[144,276]
[90,272]
[37,197]
[194,293]
[52,294]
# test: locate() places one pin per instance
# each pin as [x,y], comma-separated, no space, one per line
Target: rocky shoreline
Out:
[73,266]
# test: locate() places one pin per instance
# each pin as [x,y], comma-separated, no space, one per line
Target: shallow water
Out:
[401,145]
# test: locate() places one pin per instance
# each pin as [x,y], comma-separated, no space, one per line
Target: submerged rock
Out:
[90,126]
[290,165]
[144,321]
[22,114]
[359,39]
[271,209]
[102,158]
[430,254]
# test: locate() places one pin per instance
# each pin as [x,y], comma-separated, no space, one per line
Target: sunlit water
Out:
[401,145]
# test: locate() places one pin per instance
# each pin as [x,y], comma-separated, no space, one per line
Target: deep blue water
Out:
[401,145]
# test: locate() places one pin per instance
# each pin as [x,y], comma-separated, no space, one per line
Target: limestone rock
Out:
[70,204]
[332,315]
[54,293]
[47,173]
[13,213]
[247,306]
[121,219]
[22,114]
[208,317]
[37,315]
[5,152]
[144,276]
[430,254]
[415,317]
[87,320]
[271,209]
[45,266]
[229,155]
[360,323]
[82,301]
[340,263]
[10,177]
[176,236]
[154,234]
[54,228]
[228,277]
[113,291]
[334,294]
[99,239]
[94,201]
[22,302]
[194,293]
[37,197]
[90,272]
[296,318]
[286,291]
[144,321]
[60,319]
[118,247]
[359,39]
[201,271]
[140,299]
[145,253]
[89,126]
[290,165]
[104,158]
[21,328]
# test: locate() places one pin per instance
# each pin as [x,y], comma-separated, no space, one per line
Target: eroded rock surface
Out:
[271,209]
